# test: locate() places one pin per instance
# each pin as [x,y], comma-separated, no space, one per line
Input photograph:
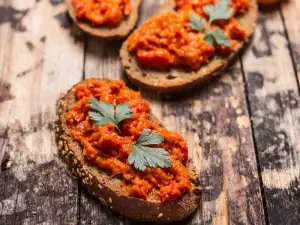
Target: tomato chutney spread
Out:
[108,148]
[102,12]
[168,41]
[237,6]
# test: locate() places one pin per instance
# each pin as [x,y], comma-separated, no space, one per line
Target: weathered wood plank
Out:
[39,60]
[215,123]
[8,192]
[290,12]
[274,103]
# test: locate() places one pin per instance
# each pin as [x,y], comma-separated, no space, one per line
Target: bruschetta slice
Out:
[123,155]
[186,43]
[107,19]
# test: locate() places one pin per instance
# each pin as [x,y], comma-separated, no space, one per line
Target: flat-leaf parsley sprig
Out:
[217,36]
[105,113]
[142,155]
[196,22]
[219,11]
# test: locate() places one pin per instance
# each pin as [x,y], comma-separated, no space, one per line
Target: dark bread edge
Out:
[180,79]
[118,32]
[100,186]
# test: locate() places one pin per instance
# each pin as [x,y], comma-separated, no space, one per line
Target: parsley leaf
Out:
[218,36]
[105,113]
[123,112]
[215,35]
[220,11]
[196,23]
[142,155]
[150,139]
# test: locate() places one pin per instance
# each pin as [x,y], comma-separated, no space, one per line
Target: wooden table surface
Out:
[242,129]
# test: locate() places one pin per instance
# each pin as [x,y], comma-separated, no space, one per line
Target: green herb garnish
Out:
[217,36]
[142,155]
[211,36]
[197,23]
[105,113]
[220,11]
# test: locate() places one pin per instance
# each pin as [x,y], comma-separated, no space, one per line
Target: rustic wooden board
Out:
[42,55]
[274,102]
[39,60]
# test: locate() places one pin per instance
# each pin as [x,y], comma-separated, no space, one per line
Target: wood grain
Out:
[274,102]
[42,55]
[39,60]
[290,12]
[215,122]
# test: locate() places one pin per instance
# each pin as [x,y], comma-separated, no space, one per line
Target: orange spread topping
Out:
[105,147]
[167,40]
[237,6]
[102,12]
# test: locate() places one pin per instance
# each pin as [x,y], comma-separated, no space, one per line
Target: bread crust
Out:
[105,32]
[177,79]
[108,190]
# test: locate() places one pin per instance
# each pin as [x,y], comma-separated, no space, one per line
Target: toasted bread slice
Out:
[175,79]
[105,32]
[109,190]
